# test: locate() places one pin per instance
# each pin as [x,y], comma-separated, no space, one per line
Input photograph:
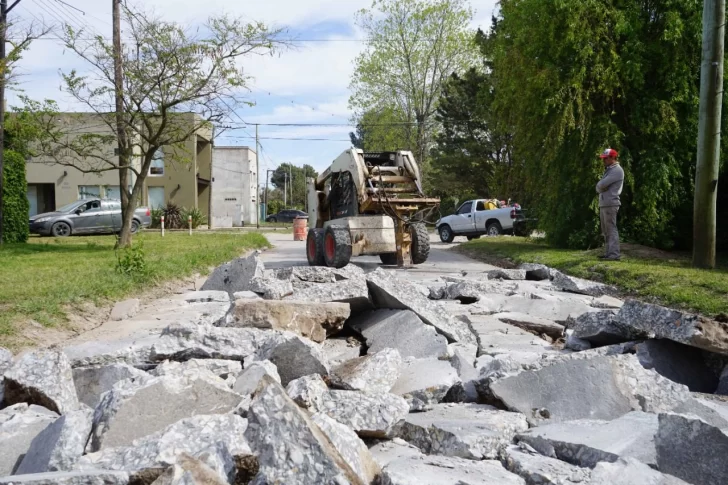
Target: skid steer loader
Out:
[368,204]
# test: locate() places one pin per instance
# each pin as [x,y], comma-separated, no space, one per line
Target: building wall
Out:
[233,192]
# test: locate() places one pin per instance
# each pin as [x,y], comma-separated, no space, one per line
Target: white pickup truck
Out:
[473,220]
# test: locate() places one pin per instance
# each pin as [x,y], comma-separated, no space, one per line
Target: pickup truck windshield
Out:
[466,208]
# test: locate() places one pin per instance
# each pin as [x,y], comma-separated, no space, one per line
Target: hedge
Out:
[16,208]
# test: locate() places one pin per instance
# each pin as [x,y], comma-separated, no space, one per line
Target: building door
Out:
[33,199]
[156,197]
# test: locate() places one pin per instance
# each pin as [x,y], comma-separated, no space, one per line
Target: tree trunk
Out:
[127,211]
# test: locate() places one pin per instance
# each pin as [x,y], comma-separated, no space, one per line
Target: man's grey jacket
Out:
[610,186]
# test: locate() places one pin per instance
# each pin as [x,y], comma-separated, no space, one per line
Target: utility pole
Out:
[4,11]
[285,190]
[290,184]
[711,104]
[257,185]
[267,178]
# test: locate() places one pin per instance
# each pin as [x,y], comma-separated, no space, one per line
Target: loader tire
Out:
[315,247]
[389,259]
[337,247]
[420,243]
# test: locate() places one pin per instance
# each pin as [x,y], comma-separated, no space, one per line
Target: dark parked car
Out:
[91,216]
[286,216]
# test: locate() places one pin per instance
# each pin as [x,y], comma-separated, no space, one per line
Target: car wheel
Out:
[446,234]
[134,227]
[494,229]
[272,219]
[61,229]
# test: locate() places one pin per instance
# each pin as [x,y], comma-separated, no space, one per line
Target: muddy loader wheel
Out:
[420,243]
[315,247]
[337,247]
[388,259]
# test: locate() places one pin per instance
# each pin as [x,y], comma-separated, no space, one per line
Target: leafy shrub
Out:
[131,260]
[198,218]
[16,208]
[173,216]
[157,218]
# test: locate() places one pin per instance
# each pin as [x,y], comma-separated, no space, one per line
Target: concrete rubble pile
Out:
[313,375]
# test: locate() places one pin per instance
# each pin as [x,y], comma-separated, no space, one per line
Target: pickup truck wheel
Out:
[315,247]
[470,238]
[446,234]
[494,229]
[134,227]
[337,247]
[420,243]
[389,259]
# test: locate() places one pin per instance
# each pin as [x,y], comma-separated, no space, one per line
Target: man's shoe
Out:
[603,257]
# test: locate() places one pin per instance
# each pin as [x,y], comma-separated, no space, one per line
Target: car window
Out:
[466,208]
[91,206]
[480,206]
[112,205]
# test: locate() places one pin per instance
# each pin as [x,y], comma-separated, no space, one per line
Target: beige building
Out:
[187,183]
[234,181]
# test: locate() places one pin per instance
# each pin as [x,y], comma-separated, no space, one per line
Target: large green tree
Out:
[292,179]
[575,76]
[412,48]
[383,129]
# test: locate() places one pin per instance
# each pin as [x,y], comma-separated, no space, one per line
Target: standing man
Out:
[609,189]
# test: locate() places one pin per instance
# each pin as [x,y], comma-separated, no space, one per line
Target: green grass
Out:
[43,279]
[651,275]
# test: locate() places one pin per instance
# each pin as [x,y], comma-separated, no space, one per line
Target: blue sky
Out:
[307,84]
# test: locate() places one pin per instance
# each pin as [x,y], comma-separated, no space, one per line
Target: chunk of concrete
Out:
[224,369]
[579,285]
[246,295]
[308,392]
[402,330]
[536,272]
[369,415]
[271,288]
[248,381]
[602,328]
[372,373]
[44,378]
[507,274]
[606,302]
[660,322]
[133,350]
[470,291]
[537,469]
[691,449]
[351,448]
[575,343]
[424,382]
[124,310]
[352,291]
[472,431]
[679,363]
[386,451]
[293,356]
[92,382]
[59,446]
[185,342]
[338,350]
[390,292]
[601,387]
[440,470]
[532,324]
[190,471]
[235,275]
[311,320]
[131,411]
[195,435]
[19,425]
[206,296]
[586,442]
[628,471]
[289,446]
[91,477]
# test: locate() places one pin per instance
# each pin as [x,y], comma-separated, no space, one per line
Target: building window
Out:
[89,192]
[156,197]
[156,169]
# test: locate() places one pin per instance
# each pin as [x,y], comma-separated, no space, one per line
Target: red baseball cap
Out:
[609,153]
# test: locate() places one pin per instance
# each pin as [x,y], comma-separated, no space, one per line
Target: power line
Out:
[290,139]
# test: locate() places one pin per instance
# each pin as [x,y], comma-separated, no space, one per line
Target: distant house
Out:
[234,195]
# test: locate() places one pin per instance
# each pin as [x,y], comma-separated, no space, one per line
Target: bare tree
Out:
[175,84]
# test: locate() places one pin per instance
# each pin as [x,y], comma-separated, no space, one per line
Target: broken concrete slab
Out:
[471,291]
[44,378]
[271,288]
[536,272]
[59,446]
[369,415]
[602,328]
[601,387]
[472,431]
[290,447]
[19,425]
[390,292]
[124,310]
[386,451]
[628,471]
[350,446]
[92,382]
[575,343]
[352,291]
[131,410]
[91,477]
[338,350]
[507,274]
[246,295]
[402,330]
[235,275]
[578,285]
[196,435]
[293,356]
[586,442]
[424,382]
[440,470]
[498,337]
[206,296]
[691,449]
[532,324]
[190,471]
[679,363]
[537,469]
[133,350]
[315,321]
[308,392]
[606,302]
[374,373]
[224,369]
[248,381]
[185,342]
[660,322]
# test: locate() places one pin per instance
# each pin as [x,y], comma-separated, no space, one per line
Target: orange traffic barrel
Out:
[300,228]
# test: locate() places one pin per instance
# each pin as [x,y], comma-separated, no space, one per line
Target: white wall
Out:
[233,175]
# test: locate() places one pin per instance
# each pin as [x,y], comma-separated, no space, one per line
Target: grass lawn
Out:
[42,279]
[645,273]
